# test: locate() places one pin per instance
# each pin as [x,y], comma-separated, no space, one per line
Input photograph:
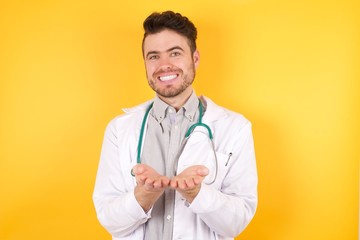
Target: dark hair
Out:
[158,22]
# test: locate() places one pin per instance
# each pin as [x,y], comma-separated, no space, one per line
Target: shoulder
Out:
[231,130]
[222,115]
[130,117]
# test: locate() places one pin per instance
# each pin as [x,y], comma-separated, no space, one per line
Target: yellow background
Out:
[291,67]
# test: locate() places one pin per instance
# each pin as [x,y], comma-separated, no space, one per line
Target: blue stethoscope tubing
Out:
[187,136]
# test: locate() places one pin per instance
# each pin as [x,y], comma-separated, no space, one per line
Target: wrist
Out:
[190,194]
[146,199]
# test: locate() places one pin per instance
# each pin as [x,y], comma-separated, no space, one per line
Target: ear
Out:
[196,58]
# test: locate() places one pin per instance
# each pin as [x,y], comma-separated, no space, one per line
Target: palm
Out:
[188,182]
[150,185]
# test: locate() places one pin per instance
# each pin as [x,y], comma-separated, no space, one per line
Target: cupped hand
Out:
[150,185]
[188,182]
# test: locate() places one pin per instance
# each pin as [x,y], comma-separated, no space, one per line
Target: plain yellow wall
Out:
[291,67]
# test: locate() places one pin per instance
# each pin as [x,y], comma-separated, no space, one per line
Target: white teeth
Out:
[168,77]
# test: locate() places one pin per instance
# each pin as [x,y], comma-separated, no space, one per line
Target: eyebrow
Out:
[169,50]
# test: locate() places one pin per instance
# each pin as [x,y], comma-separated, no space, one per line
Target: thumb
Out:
[138,169]
[202,171]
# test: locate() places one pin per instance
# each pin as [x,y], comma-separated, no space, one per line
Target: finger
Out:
[138,169]
[157,183]
[173,183]
[202,171]
[165,182]
[140,180]
[149,181]
[190,182]
[181,184]
[198,180]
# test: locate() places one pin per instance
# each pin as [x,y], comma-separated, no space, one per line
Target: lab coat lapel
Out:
[197,148]
[213,112]
[139,112]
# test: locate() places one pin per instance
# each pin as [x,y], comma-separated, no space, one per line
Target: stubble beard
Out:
[171,91]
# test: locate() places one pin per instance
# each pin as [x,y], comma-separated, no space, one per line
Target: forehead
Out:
[165,40]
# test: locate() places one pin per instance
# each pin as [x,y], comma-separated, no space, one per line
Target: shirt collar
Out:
[159,109]
[189,109]
[191,106]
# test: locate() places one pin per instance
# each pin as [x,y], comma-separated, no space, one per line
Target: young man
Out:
[178,166]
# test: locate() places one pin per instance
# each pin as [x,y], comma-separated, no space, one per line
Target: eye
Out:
[153,57]
[175,54]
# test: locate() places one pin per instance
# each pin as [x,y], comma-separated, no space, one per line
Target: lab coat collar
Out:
[213,111]
[141,107]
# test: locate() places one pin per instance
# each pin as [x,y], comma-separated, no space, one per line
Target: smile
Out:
[168,77]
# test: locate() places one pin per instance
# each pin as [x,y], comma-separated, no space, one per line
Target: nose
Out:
[165,63]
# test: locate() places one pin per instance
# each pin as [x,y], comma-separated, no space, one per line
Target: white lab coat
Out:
[219,211]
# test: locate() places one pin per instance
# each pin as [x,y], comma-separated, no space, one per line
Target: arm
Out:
[114,199]
[229,210]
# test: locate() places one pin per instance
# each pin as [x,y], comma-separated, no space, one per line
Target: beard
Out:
[172,90]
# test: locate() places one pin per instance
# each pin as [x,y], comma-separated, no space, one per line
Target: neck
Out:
[178,101]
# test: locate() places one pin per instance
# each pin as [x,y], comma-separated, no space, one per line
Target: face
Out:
[170,65]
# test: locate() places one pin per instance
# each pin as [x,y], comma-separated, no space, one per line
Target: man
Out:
[178,166]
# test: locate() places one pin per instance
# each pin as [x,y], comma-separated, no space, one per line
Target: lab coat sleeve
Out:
[229,210]
[115,203]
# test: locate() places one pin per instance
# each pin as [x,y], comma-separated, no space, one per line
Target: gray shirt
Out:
[166,130]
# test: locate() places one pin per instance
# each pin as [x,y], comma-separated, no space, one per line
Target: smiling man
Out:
[178,166]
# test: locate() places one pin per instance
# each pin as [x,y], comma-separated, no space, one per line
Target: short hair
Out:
[157,22]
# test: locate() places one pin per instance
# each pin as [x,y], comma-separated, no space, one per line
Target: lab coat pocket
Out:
[199,150]
[222,169]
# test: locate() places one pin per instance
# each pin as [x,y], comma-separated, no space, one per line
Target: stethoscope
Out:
[187,136]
